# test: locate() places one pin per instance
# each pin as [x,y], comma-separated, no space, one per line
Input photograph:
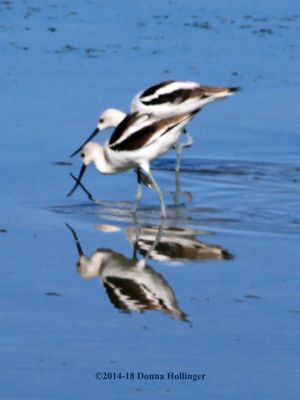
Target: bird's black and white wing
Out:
[177,97]
[140,130]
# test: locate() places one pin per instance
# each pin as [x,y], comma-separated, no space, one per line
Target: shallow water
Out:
[218,292]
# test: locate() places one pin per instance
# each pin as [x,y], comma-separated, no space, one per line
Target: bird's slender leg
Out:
[180,147]
[139,191]
[178,157]
[156,188]
[177,186]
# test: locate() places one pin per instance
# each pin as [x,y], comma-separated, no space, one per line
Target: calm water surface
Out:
[87,288]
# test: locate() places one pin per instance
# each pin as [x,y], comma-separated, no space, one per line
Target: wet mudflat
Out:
[96,302]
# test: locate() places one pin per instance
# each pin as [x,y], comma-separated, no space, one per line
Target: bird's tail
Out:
[215,93]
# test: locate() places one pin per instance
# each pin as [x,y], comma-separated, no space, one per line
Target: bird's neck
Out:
[118,118]
[102,162]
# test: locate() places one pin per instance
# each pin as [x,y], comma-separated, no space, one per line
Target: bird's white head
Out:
[90,153]
[110,118]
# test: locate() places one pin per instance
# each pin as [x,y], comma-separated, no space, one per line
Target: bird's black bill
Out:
[89,194]
[92,135]
[77,183]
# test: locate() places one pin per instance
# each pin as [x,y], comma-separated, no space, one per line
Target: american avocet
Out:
[171,98]
[164,100]
[136,141]
[131,284]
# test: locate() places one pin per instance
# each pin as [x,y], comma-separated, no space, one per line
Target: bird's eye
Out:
[101,120]
[82,155]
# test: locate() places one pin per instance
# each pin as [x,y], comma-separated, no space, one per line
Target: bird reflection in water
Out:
[130,284]
[175,244]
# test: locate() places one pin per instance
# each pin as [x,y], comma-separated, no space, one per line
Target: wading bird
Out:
[165,100]
[136,141]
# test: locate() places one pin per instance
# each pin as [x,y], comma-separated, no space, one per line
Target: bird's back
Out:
[171,98]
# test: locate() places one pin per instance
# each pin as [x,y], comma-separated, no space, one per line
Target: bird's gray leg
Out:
[156,188]
[178,157]
[139,190]
[177,186]
[180,147]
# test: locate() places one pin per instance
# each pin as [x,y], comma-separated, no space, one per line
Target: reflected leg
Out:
[155,242]
[156,188]
[137,238]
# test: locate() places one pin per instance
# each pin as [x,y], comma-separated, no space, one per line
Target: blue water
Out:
[237,297]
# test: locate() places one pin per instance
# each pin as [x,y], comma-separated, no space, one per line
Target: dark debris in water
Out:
[2,230]
[201,25]
[62,163]
[263,31]
[92,52]
[68,48]
[252,296]
[53,294]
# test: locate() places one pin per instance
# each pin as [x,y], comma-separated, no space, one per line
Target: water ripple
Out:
[238,195]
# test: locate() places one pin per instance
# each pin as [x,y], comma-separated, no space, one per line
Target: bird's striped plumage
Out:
[177,97]
[136,141]
[164,100]
[137,131]
[158,116]
[131,284]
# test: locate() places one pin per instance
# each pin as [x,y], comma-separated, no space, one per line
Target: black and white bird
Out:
[136,141]
[131,285]
[164,100]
